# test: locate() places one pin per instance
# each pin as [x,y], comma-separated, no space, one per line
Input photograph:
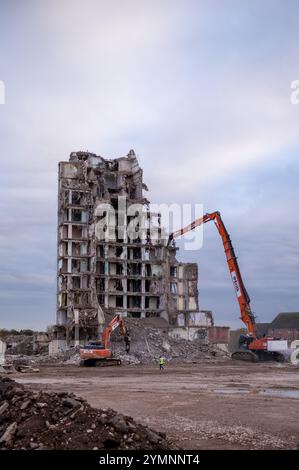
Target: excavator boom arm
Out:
[115,322]
[243,298]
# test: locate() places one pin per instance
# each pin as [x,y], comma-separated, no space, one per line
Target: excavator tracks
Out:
[109,361]
[245,355]
[259,356]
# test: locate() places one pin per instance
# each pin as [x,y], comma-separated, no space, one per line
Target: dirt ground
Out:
[221,405]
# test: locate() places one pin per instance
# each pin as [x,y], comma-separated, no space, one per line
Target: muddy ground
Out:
[221,405]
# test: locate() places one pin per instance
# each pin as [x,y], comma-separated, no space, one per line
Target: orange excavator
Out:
[252,347]
[98,352]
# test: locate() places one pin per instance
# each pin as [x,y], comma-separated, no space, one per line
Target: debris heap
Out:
[148,343]
[49,420]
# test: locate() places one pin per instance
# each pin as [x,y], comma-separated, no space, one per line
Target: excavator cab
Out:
[243,341]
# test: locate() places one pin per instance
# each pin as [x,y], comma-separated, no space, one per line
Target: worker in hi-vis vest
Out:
[161,362]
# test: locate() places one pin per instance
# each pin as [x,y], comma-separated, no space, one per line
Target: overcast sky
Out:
[199,89]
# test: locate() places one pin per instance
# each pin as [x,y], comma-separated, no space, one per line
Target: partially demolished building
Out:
[104,268]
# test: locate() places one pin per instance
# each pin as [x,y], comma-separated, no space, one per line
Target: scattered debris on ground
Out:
[6,368]
[252,439]
[24,369]
[49,420]
[22,364]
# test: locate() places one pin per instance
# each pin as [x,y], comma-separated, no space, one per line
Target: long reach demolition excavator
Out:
[252,346]
[98,352]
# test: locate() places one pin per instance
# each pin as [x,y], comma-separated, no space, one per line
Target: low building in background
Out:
[284,326]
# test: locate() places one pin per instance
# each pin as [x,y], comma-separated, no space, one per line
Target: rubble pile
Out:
[49,420]
[149,342]
[28,345]
[70,356]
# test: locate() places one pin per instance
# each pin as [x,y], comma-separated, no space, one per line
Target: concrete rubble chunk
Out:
[8,435]
[119,423]
[25,405]
[154,437]
[71,403]
[3,407]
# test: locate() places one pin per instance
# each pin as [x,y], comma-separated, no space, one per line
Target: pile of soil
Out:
[49,420]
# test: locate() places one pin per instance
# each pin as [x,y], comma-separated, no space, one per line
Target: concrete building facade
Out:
[112,253]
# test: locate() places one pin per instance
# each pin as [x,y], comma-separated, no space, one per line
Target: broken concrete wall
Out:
[218,335]
[40,342]
[202,318]
[57,346]
[189,333]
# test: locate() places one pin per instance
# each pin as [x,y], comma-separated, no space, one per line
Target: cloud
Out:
[201,93]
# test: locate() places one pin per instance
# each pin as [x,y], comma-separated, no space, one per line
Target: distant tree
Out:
[4,333]
[13,332]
